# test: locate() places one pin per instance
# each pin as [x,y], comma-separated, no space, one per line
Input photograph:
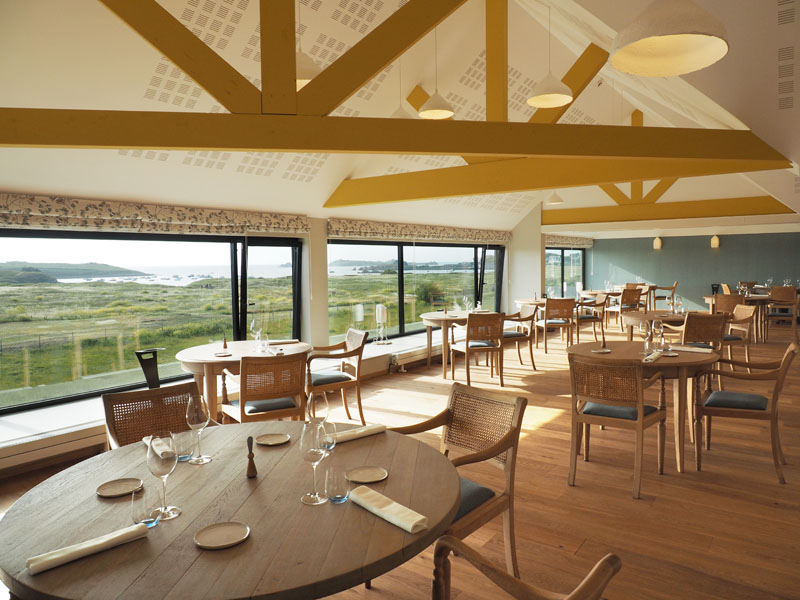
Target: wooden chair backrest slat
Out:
[266,377]
[630,296]
[703,327]
[783,293]
[726,303]
[485,326]
[559,308]
[596,381]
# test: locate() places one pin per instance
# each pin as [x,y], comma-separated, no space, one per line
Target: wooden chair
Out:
[591,588]
[782,298]
[596,314]
[132,415]
[668,296]
[485,425]
[745,405]
[270,387]
[613,396]
[558,313]
[350,352]
[726,289]
[484,334]
[725,303]
[628,301]
[702,330]
[748,285]
[740,330]
[525,330]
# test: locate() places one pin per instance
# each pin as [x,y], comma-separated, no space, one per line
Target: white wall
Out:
[525,259]
[315,284]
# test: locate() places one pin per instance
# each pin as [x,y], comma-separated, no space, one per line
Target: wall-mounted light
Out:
[657,243]
[714,241]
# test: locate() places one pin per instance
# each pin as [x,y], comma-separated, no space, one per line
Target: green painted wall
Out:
[694,264]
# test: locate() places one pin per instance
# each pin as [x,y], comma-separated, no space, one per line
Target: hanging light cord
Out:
[436,55]
[549,40]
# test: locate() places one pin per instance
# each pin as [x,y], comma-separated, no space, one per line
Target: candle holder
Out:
[381,317]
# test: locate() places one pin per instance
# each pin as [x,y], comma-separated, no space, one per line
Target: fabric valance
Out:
[355,229]
[26,211]
[566,241]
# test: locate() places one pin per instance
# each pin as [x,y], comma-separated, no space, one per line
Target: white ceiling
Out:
[77,54]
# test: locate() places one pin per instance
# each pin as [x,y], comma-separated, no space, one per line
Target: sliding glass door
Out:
[564,269]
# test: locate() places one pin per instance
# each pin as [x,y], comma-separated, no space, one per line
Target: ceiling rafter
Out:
[168,35]
[345,76]
[528,174]
[279,74]
[721,207]
[497,60]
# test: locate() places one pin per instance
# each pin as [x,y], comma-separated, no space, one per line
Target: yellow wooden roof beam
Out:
[540,173]
[722,207]
[167,35]
[348,73]
[278,68]
[497,60]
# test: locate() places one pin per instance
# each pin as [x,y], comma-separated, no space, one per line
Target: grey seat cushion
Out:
[725,399]
[700,345]
[514,334]
[553,322]
[482,344]
[630,306]
[472,496]
[729,337]
[255,407]
[616,412]
[588,317]
[326,377]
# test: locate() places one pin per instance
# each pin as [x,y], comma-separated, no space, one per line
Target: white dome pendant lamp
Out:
[670,38]
[305,67]
[436,107]
[550,92]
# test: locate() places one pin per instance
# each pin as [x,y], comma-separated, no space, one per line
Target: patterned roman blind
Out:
[354,229]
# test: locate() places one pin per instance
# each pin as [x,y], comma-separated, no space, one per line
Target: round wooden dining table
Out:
[681,369]
[206,362]
[293,550]
[445,320]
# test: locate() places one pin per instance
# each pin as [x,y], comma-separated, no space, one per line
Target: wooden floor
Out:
[729,532]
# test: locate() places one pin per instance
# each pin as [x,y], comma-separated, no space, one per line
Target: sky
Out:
[137,253]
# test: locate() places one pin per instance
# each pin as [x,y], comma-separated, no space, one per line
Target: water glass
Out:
[337,487]
[184,445]
[161,460]
[146,506]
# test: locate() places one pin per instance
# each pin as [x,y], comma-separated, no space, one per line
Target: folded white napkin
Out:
[691,349]
[158,446]
[653,356]
[56,558]
[395,513]
[358,432]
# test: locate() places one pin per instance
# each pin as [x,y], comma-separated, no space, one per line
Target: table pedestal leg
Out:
[445,349]
[429,330]
[210,377]
[679,416]
[630,333]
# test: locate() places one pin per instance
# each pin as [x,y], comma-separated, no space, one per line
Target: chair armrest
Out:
[673,327]
[592,585]
[501,445]
[765,376]
[773,364]
[234,376]
[338,346]
[336,355]
[438,421]
[653,379]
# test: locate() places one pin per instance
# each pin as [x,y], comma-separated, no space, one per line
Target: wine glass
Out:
[327,436]
[646,334]
[197,417]
[161,460]
[317,408]
[678,304]
[658,335]
[312,452]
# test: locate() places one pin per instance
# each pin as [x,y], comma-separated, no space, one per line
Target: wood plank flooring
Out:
[728,532]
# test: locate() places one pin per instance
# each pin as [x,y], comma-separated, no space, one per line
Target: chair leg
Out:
[511,542]
[662,435]
[778,437]
[776,450]
[544,334]
[594,329]
[575,446]
[637,462]
[578,332]
[530,349]
[466,366]
[453,364]
[587,430]
[747,356]
[344,402]
[707,423]
[519,354]
[360,409]
[500,365]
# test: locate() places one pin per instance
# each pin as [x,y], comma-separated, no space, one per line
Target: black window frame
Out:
[561,249]
[238,288]
[478,270]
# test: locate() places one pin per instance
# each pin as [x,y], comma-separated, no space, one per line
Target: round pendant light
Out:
[550,92]
[436,107]
[671,37]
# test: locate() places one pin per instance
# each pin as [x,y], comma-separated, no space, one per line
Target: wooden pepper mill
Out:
[251,465]
[224,342]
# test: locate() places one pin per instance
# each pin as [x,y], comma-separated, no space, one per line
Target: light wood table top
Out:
[444,320]
[293,551]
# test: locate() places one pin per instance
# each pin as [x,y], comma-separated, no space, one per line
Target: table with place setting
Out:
[445,320]
[679,363]
[242,531]
[208,361]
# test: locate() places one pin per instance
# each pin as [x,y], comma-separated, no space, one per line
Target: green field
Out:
[60,339]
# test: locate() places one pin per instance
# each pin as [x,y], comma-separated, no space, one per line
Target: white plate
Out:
[119,487]
[221,535]
[366,474]
[222,354]
[272,439]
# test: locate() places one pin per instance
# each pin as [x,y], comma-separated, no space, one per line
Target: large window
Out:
[408,279]
[75,308]
[563,270]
